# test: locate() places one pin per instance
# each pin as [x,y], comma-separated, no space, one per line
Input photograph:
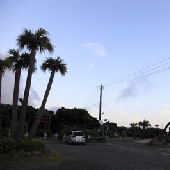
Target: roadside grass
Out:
[29,162]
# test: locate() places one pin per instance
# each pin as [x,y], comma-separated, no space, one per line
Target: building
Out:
[45,120]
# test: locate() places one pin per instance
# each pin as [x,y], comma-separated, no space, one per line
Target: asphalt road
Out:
[118,154]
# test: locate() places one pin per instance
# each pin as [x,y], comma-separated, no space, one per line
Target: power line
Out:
[139,76]
[91,98]
[145,72]
[129,77]
[142,73]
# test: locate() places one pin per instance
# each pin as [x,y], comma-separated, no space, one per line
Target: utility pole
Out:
[100,106]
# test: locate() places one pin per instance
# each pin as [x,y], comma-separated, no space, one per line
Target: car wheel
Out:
[69,142]
[83,143]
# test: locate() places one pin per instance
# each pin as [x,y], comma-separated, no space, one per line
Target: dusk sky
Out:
[123,45]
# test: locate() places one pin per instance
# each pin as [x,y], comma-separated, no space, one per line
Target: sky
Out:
[121,45]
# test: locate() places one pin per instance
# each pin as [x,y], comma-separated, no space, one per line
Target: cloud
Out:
[100,52]
[119,112]
[90,67]
[8,86]
[3,55]
[165,105]
[91,44]
[134,88]
[53,109]
[97,48]
[130,91]
[33,97]
[167,112]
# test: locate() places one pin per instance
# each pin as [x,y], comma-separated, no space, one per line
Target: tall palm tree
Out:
[53,65]
[33,42]
[4,65]
[19,62]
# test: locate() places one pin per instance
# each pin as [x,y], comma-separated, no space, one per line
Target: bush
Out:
[10,145]
[7,145]
[33,145]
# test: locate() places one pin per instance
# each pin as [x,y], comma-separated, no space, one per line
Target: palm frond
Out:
[4,65]
[56,65]
[17,60]
[26,39]
[38,40]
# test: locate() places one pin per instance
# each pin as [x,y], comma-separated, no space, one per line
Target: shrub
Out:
[10,145]
[7,145]
[33,145]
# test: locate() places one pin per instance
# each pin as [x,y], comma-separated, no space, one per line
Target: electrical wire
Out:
[142,73]
[145,72]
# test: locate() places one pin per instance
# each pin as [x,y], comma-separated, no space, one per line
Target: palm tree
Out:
[18,62]
[33,42]
[4,65]
[145,124]
[53,65]
[133,127]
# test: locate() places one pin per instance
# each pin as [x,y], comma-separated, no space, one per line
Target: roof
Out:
[45,113]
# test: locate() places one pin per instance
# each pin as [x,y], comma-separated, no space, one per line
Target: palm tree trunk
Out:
[19,133]
[0,103]
[37,121]
[15,102]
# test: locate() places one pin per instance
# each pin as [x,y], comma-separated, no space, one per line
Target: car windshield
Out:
[78,133]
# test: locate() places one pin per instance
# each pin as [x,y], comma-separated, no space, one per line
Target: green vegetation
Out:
[66,120]
[26,162]
[10,145]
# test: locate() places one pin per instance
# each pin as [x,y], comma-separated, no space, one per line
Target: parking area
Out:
[115,154]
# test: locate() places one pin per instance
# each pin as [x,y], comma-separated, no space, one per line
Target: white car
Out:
[75,137]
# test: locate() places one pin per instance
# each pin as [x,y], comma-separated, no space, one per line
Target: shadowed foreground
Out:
[117,154]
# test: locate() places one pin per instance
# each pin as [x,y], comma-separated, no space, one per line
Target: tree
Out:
[4,65]
[53,65]
[133,125]
[145,124]
[19,62]
[133,128]
[33,42]
[6,114]
[156,126]
[66,120]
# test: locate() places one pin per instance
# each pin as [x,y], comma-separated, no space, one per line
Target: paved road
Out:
[118,154]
